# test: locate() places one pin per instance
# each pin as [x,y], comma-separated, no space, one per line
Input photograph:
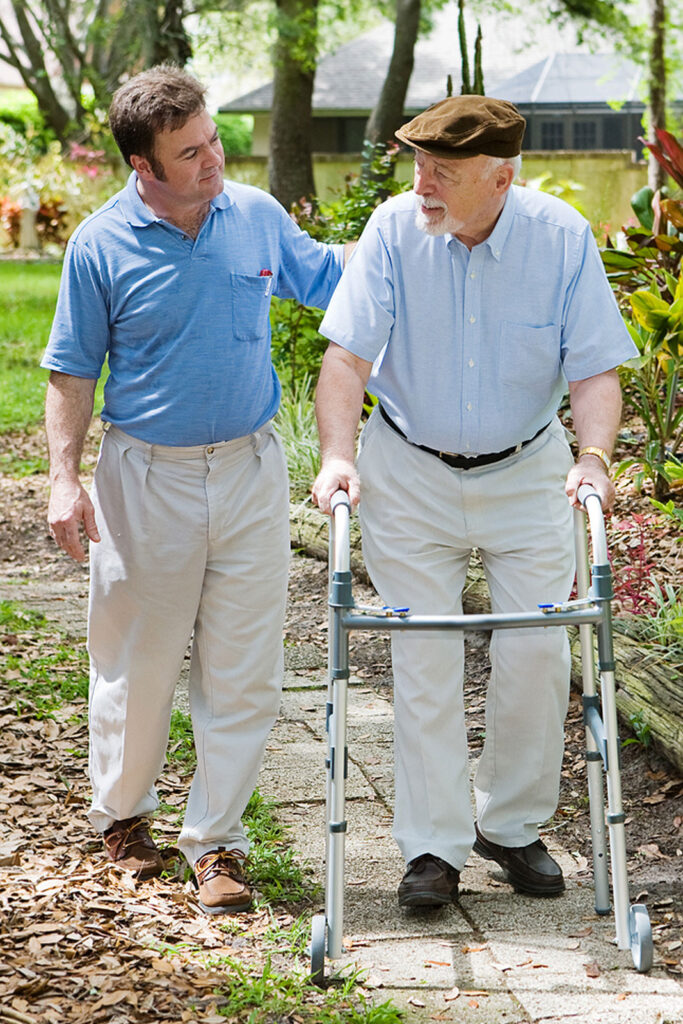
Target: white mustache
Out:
[431,204]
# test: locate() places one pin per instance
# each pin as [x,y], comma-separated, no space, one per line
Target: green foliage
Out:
[344,218]
[653,379]
[235,131]
[273,867]
[181,752]
[20,112]
[254,997]
[673,472]
[62,189]
[666,625]
[14,618]
[297,347]
[648,282]
[564,189]
[296,425]
[28,293]
[642,733]
[45,669]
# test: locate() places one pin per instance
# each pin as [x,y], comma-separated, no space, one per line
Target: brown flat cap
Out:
[463,126]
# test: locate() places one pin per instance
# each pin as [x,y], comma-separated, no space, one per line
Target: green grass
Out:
[41,667]
[28,295]
[28,292]
[252,997]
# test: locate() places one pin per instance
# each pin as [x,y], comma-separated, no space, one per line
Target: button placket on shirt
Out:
[471,347]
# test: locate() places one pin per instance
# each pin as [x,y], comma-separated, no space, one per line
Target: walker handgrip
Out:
[339,498]
[584,492]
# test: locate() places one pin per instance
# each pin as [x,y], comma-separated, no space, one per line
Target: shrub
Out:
[235,132]
[20,111]
[63,189]
[297,347]
[648,283]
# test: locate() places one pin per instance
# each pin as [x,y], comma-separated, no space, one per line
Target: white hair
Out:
[514,161]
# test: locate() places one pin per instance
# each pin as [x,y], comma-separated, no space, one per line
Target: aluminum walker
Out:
[591,612]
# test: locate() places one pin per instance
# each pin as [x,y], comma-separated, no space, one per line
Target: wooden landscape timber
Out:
[647,687]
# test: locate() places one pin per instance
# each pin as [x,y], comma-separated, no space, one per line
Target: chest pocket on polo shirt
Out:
[250,306]
[529,355]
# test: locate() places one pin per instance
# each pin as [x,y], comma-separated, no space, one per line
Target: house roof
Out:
[569,78]
[515,62]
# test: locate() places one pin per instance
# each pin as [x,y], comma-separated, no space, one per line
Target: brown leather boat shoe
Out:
[428,882]
[222,886]
[129,844]
[528,869]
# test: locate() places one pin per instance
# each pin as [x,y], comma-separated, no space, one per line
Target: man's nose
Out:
[212,158]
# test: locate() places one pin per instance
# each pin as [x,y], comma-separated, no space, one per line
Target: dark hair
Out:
[162,98]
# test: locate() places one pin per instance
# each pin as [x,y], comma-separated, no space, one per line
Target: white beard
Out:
[435,226]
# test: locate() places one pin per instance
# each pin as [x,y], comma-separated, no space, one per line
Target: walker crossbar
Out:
[591,612]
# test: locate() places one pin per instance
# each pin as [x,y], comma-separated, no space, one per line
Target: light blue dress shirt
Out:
[184,323]
[472,350]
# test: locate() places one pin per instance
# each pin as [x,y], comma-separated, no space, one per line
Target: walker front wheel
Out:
[318,942]
[641,937]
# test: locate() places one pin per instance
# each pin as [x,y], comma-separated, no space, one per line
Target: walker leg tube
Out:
[596,793]
[337,822]
[615,813]
[602,585]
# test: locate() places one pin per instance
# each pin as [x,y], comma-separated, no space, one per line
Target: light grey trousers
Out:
[420,521]
[195,543]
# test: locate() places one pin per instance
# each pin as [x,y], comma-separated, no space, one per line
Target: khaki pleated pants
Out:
[420,522]
[195,544]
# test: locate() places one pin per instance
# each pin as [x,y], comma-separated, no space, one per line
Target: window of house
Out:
[552,135]
[585,135]
[614,131]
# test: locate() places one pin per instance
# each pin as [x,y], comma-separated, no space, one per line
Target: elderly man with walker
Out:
[469,307]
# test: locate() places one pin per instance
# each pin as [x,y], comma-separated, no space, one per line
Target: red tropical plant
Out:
[669,153]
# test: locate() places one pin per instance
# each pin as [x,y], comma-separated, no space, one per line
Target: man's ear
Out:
[505,175]
[142,168]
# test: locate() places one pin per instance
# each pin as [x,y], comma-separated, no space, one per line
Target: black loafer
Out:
[528,869]
[428,882]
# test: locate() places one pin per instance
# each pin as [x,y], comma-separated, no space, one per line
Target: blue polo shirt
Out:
[184,323]
[472,350]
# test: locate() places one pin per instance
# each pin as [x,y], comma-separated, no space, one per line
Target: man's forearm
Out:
[339,403]
[596,410]
[68,411]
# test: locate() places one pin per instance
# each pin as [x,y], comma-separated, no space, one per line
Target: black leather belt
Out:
[463,461]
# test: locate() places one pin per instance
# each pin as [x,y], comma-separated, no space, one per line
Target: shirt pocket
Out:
[250,306]
[529,356]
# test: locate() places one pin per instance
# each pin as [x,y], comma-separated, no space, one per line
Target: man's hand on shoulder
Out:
[70,508]
[336,475]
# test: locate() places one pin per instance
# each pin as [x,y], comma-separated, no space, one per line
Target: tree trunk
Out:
[290,164]
[644,686]
[656,108]
[387,115]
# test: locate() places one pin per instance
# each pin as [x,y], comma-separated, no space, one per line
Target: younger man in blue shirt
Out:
[171,281]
